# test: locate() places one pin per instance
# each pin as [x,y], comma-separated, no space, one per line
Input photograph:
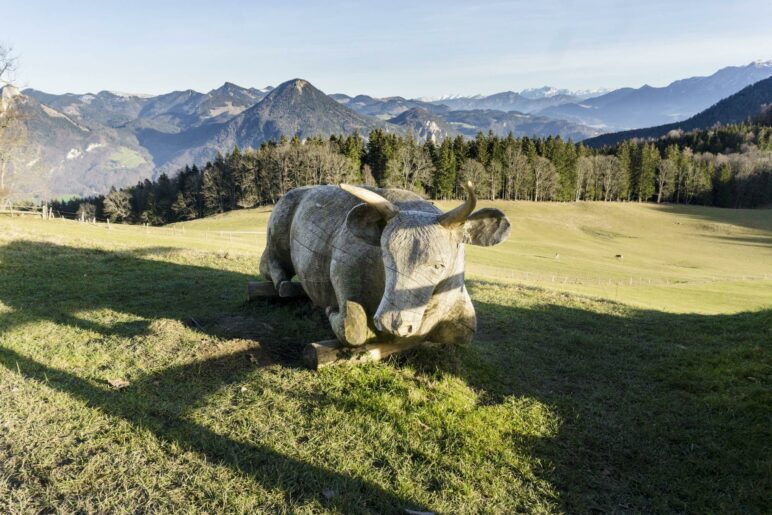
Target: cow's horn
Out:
[371,198]
[458,215]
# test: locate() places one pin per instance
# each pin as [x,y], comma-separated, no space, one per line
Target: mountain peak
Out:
[293,89]
[760,63]
[298,84]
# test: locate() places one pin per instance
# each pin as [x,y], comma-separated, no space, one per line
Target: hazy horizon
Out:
[427,50]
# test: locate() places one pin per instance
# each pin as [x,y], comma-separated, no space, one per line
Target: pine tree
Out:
[624,154]
[445,176]
[648,170]
[722,186]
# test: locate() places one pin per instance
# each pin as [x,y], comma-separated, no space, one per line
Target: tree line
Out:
[728,166]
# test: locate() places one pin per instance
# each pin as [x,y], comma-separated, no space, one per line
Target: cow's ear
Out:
[486,227]
[367,224]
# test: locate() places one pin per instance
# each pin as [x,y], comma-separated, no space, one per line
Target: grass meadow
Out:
[135,378]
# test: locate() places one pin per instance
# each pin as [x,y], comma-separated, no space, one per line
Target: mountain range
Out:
[629,108]
[751,102]
[86,143]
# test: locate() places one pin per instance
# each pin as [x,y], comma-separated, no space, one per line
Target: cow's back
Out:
[316,221]
[304,226]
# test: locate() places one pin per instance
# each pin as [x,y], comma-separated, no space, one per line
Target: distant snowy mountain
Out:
[629,108]
[451,96]
[506,101]
[550,92]
[527,101]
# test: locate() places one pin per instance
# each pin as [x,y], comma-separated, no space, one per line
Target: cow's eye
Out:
[439,265]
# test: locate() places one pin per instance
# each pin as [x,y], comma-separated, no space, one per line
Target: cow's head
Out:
[421,250]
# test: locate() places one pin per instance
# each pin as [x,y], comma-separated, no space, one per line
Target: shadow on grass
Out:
[41,281]
[660,412]
[759,219]
[751,241]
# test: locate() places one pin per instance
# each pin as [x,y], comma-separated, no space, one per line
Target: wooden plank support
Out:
[261,289]
[331,352]
[266,289]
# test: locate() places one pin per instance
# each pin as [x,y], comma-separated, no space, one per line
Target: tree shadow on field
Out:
[659,412]
[759,219]
[47,282]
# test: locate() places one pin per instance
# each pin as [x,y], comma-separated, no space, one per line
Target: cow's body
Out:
[331,241]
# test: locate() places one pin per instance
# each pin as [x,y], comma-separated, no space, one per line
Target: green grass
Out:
[126,158]
[566,402]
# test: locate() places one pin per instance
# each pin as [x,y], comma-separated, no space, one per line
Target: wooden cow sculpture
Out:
[387,265]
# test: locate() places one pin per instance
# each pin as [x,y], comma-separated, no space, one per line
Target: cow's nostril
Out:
[409,329]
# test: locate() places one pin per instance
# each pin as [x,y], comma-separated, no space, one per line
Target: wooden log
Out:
[266,289]
[331,352]
[261,289]
[290,289]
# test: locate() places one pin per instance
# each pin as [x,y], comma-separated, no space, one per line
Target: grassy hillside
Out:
[567,400]
[674,258]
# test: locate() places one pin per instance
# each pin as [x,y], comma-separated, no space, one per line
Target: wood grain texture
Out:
[388,271]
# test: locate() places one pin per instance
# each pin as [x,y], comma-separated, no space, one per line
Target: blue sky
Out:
[417,48]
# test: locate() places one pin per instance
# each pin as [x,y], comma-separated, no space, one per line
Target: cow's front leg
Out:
[349,323]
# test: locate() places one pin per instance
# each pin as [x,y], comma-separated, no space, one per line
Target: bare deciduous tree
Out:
[411,168]
[544,179]
[666,171]
[610,173]
[585,169]
[11,127]
[515,172]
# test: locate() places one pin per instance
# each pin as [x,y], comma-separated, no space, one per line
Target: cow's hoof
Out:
[355,324]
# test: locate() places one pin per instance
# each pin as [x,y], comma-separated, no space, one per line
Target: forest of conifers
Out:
[728,166]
